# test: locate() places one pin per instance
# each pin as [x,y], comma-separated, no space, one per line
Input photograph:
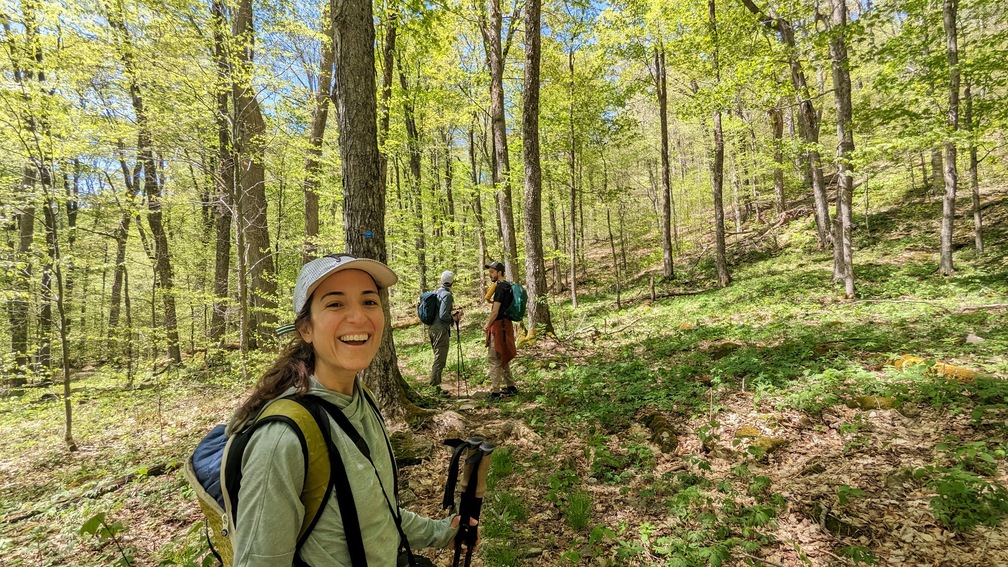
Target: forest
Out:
[765,244]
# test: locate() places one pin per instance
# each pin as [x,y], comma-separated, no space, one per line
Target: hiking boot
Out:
[510,391]
[494,396]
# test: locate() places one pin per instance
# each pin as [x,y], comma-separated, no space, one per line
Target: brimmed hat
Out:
[447,277]
[495,265]
[319,269]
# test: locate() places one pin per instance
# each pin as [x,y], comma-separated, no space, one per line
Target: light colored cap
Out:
[447,277]
[319,269]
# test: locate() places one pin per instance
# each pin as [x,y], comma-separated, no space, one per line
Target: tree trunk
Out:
[808,123]
[937,177]
[973,177]
[555,234]
[449,180]
[414,182]
[20,308]
[52,244]
[777,125]
[572,234]
[535,267]
[224,182]
[950,10]
[845,146]
[251,187]
[491,30]
[661,85]
[477,207]
[316,134]
[151,183]
[717,177]
[363,187]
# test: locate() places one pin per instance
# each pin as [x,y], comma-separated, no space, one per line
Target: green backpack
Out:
[516,311]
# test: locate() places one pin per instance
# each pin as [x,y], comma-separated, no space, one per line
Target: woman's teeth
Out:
[355,338]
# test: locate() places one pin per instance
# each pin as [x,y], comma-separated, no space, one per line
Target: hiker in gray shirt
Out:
[340,321]
[440,329]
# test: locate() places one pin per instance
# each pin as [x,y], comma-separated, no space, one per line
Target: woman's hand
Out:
[472,522]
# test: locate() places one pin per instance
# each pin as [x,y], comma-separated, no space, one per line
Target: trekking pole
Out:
[470,500]
[458,360]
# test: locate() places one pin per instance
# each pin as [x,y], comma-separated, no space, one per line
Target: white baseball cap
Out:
[447,277]
[319,269]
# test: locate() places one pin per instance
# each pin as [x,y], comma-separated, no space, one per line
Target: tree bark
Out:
[973,174]
[845,145]
[571,162]
[477,207]
[950,10]
[717,176]
[661,86]
[777,125]
[250,142]
[491,31]
[414,181]
[535,267]
[316,135]
[363,187]
[808,123]
[20,307]
[224,180]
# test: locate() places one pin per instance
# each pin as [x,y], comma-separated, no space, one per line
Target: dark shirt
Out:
[503,295]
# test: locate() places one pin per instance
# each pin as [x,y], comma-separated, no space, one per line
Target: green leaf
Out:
[92,526]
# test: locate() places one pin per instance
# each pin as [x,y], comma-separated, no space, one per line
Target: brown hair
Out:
[292,368]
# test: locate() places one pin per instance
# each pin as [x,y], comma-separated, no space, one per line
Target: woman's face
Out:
[345,329]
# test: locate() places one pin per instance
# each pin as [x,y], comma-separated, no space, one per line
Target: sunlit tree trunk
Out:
[717,174]
[490,26]
[661,85]
[316,134]
[363,187]
[250,190]
[845,149]
[950,10]
[414,181]
[973,177]
[535,268]
[477,207]
[777,125]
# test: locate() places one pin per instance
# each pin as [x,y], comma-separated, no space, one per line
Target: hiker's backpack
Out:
[214,471]
[519,301]
[428,307]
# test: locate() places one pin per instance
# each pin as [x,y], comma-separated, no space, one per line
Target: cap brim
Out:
[382,275]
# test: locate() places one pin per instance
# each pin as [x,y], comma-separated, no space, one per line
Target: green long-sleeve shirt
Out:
[270,511]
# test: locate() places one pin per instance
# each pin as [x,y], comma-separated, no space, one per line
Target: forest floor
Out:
[768,423]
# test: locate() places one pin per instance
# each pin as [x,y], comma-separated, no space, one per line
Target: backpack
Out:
[519,301]
[214,472]
[428,307]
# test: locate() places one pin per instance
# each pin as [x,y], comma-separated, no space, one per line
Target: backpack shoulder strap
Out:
[324,470]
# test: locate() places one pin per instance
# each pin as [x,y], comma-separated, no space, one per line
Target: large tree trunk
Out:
[808,118]
[251,187]
[224,181]
[363,187]
[316,134]
[717,174]
[491,30]
[973,174]
[661,86]
[535,267]
[845,146]
[415,186]
[950,10]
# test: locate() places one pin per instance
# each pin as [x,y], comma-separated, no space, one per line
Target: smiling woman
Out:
[340,319]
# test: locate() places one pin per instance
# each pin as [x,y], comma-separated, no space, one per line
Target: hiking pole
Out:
[470,500]
[458,360]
